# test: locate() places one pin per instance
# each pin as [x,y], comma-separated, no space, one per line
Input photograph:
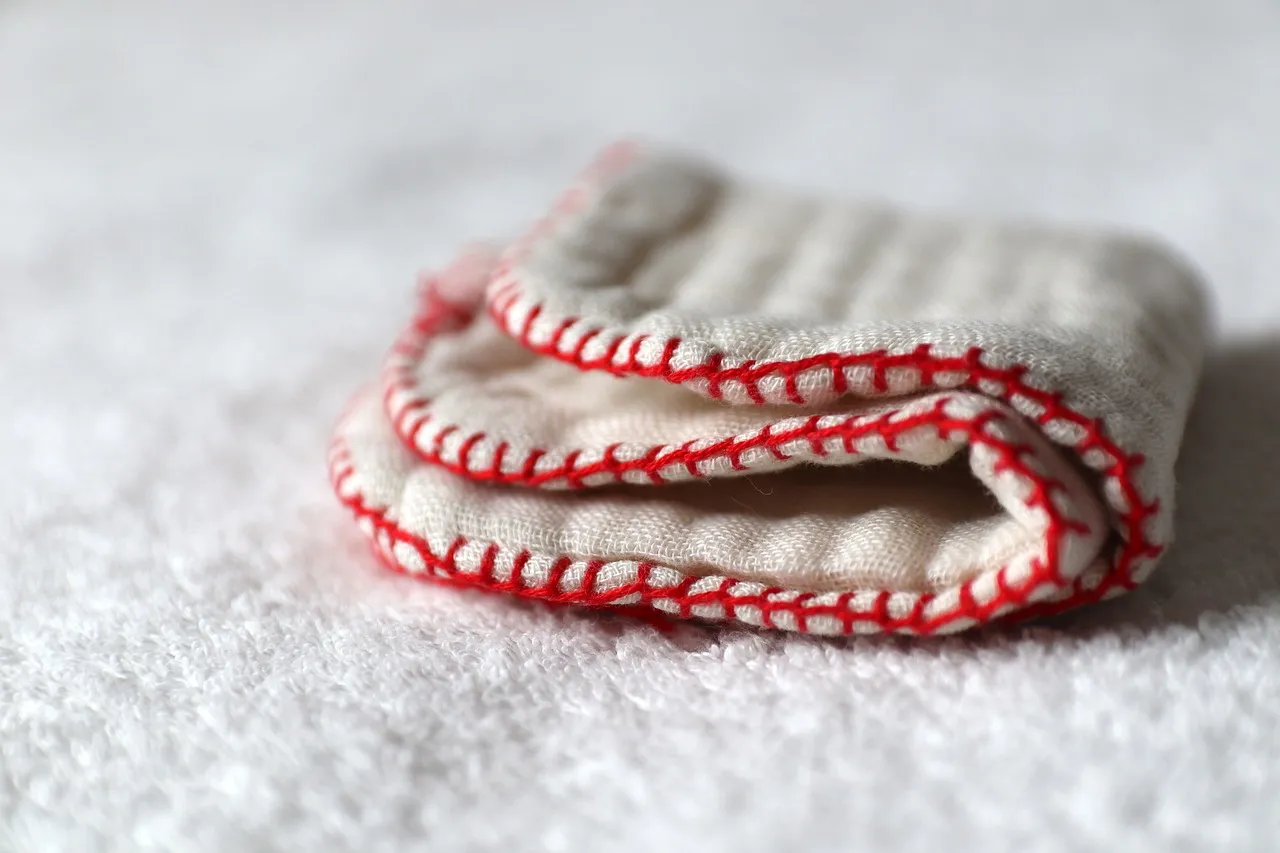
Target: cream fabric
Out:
[656,267]
[894,527]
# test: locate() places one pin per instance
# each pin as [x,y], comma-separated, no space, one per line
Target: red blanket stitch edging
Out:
[439,316]
[1010,383]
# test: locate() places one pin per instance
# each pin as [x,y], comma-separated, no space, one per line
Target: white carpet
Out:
[210,219]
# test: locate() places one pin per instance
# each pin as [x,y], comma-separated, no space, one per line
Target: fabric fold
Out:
[724,401]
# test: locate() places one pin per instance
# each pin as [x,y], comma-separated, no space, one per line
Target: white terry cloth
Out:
[794,363]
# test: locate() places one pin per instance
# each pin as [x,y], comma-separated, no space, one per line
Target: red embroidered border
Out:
[1134,514]
[504,296]
[409,411]
[1132,509]
[439,317]
[770,601]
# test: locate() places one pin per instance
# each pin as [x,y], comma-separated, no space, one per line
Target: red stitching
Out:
[529,320]
[559,333]
[517,572]
[636,343]
[682,597]
[611,351]
[793,393]
[592,572]
[583,341]
[721,595]
[770,601]
[402,403]
[557,574]
[690,464]
[802,619]
[412,435]
[499,454]
[531,463]
[713,367]
[1136,546]
[487,563]
[881,609]
[505,295]
[438,442]
[464,450]
[753,391]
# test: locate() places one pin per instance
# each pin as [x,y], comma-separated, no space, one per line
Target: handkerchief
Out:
[722,400]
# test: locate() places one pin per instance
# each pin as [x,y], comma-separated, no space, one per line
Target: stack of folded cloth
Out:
[725,401]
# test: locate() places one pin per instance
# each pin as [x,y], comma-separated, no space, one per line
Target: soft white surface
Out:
[210,215]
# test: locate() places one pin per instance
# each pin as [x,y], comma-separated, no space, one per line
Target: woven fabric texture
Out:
[730,401]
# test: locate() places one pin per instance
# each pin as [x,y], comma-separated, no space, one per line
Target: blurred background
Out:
[211,217]
[393,130]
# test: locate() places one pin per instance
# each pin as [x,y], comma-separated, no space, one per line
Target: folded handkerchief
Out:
[727,401]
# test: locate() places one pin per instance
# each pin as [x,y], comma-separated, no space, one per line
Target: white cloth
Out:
[208,211]
[838,334]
